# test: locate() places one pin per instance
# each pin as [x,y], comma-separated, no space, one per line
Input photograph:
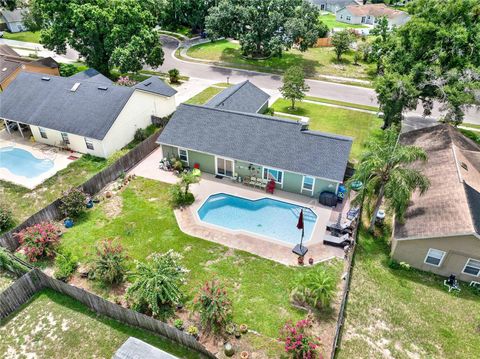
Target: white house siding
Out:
[77,143]
[345,16]
[16,26]
[136,114]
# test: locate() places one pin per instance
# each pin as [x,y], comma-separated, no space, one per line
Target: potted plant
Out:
[193,331]
[310,261]
[244,355]
[300,260]
[230,329]
[178,323]
[238,335]
[243,328]
[68,223]
[228,349]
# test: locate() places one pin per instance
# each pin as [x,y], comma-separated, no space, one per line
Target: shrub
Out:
[39,240]
[67,70]
[178,165]
[192,330]
[73,203]
[126,81]
[269,111]
[8,262]
[317,287]
[140,135]
[157,282]
[214,306]
[109,264]
[178,323]
[393,264]
[178,197]
[299,343]
[174,75]
[6,218]
[65,265]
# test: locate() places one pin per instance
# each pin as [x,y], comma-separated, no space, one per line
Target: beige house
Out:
[85,113]
[441,232]
[370,14]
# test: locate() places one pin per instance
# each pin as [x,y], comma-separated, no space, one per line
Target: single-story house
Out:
[134,348]
[370,14]
[11,64]
[441,231]
[334,5]
[85,115]
[14,20]
[231,143]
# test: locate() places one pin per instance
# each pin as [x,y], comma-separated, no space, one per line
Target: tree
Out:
[435,57]
[107,33]
[8,4]
[265,27]
[381,42]
[214,306]
[174,75]
[188,179]
[341,41]
[109,264]
[191,13]
[385,173]
[157,282]
[294,86]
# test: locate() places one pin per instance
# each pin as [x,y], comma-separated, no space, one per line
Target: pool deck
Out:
[190,223]
[40,151]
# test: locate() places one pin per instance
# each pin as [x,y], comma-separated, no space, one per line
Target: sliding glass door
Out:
[224,167]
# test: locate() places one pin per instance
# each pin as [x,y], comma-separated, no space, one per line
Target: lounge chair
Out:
[337,241]
[344,228]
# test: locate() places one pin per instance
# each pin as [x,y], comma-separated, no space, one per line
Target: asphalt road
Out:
[330,90]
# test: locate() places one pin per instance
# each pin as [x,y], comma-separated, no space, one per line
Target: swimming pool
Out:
[22,163]
[266,217]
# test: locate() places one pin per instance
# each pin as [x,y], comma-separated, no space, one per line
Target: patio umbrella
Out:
[299,249]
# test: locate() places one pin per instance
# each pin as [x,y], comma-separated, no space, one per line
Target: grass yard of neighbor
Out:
[144,223]
[331,21]
[401,313]
[204,96]
[26,36]
[356,124]
[53,325]
[316,61]
[342,103]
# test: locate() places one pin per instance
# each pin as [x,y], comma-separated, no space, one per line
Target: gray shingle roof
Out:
[243,97]
[157,86]
[135,348]
[91,75]
[473,197]
[88,111]
[7,67]
[258,139]
[14,15]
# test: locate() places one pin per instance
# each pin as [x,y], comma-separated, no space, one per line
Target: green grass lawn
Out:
[26,36]
[471,125]
[53,325]
[316,61]
[204,96]
[259,288]
[6,279]
[24,202]
[332,23]
[342,103]
[356,124]
[405,313]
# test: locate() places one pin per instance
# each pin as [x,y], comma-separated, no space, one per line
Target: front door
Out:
[224,167]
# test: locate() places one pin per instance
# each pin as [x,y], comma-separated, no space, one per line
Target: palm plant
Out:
[188,179]
[385,173]
[316,288]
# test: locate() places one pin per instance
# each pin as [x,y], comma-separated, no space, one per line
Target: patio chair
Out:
[253,182]
[337,241]
[262,183]
[452,283]
[246,180]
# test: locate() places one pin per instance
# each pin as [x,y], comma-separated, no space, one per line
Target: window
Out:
[89,144]
[341,16]
[472,267]
[65,138]
[269,173]
[183,154]
[308,183]
[43,133]
[349,18]
[434,257]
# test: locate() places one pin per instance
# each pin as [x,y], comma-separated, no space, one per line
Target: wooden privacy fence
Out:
[24,288]
[323,42]
[92,186]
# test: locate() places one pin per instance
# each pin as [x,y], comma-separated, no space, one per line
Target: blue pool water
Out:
[22,163]
[267,217]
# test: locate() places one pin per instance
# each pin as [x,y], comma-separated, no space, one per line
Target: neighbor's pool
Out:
[22,163]
[267,217]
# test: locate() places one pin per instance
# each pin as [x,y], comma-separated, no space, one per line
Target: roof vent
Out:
[304,124]
[464,166]
[103,88]
[4,69]
[75,87]
[147,83]
[45,78]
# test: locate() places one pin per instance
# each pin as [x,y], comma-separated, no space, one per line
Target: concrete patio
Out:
[190,223]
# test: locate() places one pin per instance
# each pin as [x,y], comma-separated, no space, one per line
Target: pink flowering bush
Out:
[214,306]
[299,343]
[126,81]
[38,241]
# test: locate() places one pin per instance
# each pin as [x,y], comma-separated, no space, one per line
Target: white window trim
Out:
[313,184]
[441,259]
[186,151]
[226,159]
[42,132]
[275,169]
[91,142]
[67,141]
[463,270]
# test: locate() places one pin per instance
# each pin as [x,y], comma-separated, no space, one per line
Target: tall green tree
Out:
[341,42]
[8,4]
[386,172]
[265,27]
[382,34]
[107,33]
[434,57]
[294,86]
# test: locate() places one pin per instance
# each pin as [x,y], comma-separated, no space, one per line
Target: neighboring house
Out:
[14,20]
[11,64]
[441,232]
[230,143]
[83,115]
[370,14]
[334,5]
